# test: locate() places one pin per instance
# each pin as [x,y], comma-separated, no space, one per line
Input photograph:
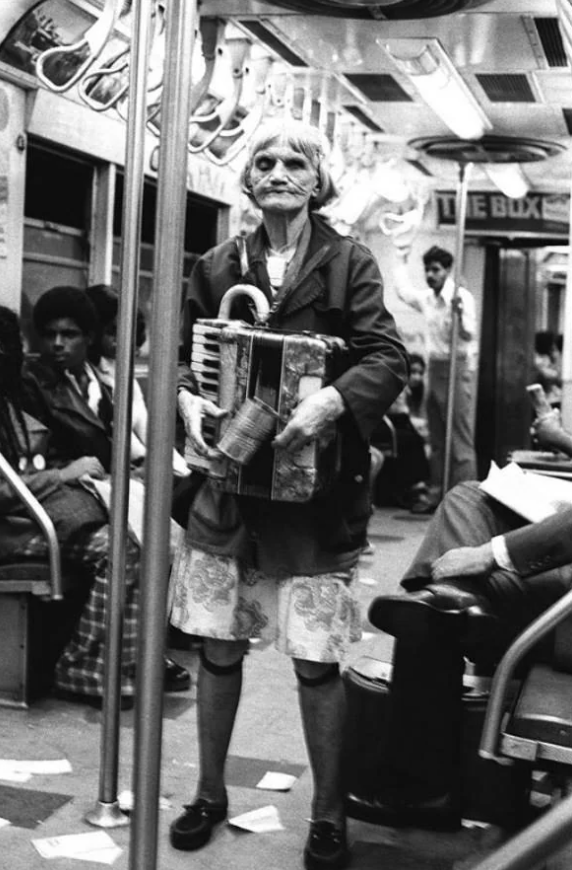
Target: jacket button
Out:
[358,478]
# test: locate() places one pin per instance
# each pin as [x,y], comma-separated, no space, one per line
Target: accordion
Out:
[234,362]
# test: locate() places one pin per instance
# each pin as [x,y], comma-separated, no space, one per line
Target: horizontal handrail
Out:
[43,520]
[541,840]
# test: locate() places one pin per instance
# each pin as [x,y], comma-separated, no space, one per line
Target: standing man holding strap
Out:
[438,304]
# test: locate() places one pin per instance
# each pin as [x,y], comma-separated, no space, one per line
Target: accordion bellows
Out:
[233,361]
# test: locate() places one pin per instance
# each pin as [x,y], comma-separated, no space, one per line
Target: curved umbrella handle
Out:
[60,67]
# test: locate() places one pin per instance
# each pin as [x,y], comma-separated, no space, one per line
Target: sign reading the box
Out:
[493,213]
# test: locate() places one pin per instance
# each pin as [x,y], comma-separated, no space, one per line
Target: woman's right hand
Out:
[193,410]
[85,466]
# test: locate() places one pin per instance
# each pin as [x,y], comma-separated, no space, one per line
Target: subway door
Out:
[507,342]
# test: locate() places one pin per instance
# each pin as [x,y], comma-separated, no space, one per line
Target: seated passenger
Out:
[80,520]
[64,392]
[106,302]
[480,576]
[403,478]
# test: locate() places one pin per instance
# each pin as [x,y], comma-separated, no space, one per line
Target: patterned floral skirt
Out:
[308,617]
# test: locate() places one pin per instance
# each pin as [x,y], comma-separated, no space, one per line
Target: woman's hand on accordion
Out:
[193,410]
[311,420]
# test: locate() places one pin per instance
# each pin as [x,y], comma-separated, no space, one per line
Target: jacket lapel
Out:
[308,284]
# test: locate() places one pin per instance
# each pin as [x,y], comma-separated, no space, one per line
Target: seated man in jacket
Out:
[64,392]
[480,576]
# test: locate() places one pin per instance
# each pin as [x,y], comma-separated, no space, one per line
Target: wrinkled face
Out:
[64,344]
[436,275]
[282,180]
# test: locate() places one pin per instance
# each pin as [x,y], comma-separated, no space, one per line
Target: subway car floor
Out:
[268,738]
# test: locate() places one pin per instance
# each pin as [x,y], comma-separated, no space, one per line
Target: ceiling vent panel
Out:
[381,88]
[265,35]
[509,88]
[364,119]
[382,10]
[551,39]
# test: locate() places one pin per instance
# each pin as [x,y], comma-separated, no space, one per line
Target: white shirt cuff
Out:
[501,554]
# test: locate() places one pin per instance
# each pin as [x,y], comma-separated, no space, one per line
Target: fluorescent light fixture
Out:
[508,177]
[431,71]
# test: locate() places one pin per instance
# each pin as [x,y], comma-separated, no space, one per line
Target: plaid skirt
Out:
[308,617]
[81,665]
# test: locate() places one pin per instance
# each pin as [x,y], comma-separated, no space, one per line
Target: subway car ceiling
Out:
[362,68]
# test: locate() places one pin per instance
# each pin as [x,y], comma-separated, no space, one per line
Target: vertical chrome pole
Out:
[106,812]
[460,213]
[567,339]
[168,269]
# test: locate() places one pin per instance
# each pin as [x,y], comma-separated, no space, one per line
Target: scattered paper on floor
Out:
[367,581]
[276,781]
[94,846]
[260,821]
[4,823]
[29,768]
[8,775]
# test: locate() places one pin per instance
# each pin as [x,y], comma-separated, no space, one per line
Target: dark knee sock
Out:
[218,694]
[323,707]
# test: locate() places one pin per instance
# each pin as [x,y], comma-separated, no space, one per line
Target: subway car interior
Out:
[124,126]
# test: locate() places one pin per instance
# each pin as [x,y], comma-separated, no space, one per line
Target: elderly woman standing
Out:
[279,569]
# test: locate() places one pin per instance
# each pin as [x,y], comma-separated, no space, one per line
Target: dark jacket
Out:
[339,292]
[71,508]
[543,545]
[75,430]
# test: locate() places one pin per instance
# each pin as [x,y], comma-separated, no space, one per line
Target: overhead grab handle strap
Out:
[60,67]
[201,133]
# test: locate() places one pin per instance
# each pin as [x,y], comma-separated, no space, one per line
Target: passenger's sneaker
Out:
[326,847]
[193,829]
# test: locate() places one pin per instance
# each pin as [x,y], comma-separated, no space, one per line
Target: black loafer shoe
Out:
[416,614]
[326,847]
[177,678]
[194,827]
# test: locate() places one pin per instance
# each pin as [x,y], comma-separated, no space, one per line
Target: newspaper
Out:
[533,496]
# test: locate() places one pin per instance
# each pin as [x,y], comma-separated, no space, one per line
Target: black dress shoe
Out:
[326,847]
[96,701]
[194,827]
[439,607]
[177,678]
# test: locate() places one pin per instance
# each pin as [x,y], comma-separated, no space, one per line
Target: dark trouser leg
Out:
[218,693]
[424,727]
[466,517]
[323,710]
